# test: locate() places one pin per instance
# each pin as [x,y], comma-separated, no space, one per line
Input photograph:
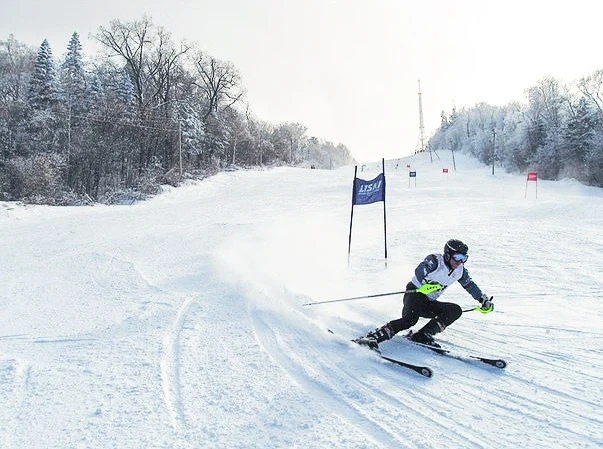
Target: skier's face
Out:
[455,263]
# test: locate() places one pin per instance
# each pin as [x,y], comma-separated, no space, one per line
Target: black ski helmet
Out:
[454,247]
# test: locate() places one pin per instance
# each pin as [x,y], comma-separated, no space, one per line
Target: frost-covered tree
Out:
[73,87]
[95,92]
[547,112]
[262,148]
[125,88]
[512,150]
[44,124]
[289,140]
[16,63]
[43,85]
[73,76]
[132,42]
[215,139]
[192,128]
[579,133]
[123,125]
[591,87]
[557,133]
[219,81]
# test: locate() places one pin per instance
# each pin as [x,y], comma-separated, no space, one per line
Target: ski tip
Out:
[500,364]
[426,372]
[497,363]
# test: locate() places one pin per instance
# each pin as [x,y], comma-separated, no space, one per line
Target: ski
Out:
[498,363]
[422,370]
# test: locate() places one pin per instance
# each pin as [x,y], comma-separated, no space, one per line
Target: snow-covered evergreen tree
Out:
[193,131]
[125,89]
[41,127]
[95,92]
[43,85]
[73,76]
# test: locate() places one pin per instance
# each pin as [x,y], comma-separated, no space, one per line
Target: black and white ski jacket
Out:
[434,269]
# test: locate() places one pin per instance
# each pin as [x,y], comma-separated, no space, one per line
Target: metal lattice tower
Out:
[421,127]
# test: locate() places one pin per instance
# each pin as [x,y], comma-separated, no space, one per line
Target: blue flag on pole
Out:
[367,192]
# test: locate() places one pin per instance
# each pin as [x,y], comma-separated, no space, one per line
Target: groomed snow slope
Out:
[178,322]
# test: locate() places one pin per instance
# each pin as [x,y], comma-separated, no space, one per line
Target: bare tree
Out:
[155,67]
[291,138]
[591,87]
[131,41]
[547,100]
[239,132]
[219,81]
[16,64]
[165,69]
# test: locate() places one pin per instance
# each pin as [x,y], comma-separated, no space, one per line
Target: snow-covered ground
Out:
[178,322]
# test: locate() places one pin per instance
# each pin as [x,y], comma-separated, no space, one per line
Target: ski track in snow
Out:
[530,398]
[381,413]
[379,432]
[14,379]
[170,368]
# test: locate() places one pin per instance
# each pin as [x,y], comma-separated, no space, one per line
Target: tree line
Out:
[143,112]
[558,133]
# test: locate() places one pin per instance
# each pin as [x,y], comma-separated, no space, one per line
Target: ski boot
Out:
[423,338]
[373,338]
[425,334]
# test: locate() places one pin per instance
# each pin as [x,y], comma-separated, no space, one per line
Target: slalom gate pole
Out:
[425,289]
[352,214]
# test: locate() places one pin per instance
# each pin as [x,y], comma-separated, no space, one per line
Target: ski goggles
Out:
[460,257]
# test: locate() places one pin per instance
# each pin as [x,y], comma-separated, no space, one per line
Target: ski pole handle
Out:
[428,288]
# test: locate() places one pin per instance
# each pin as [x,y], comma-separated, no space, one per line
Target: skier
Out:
[434,269]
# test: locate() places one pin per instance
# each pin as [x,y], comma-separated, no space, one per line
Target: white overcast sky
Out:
[348,69]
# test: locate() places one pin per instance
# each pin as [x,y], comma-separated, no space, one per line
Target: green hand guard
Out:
[428,288]
[488,310]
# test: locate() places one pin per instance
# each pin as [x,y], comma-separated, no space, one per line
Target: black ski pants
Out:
[417,305]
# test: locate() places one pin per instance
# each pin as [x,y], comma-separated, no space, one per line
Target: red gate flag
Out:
[444,170]
[532,176]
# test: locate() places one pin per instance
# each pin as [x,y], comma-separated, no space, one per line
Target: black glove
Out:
[487,303]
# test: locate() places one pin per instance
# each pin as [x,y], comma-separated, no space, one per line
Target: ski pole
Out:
[355,297]
[425,289]
[479,309]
